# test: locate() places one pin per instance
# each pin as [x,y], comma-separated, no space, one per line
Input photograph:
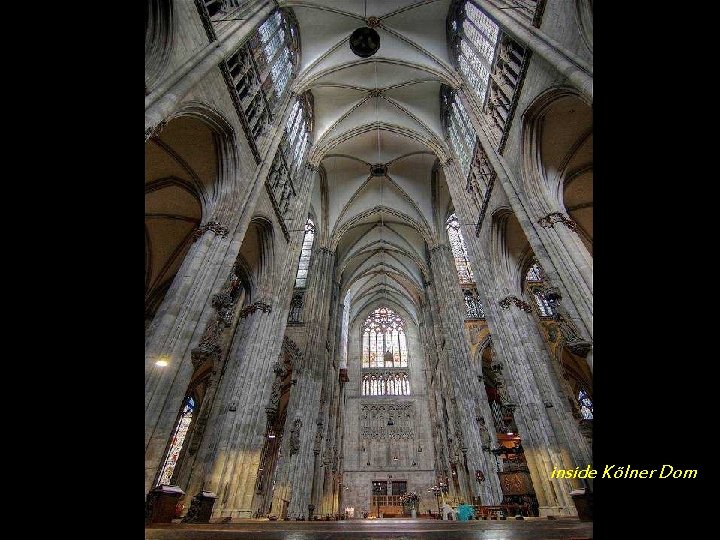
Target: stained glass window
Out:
[478,37]
[586,405]
[168,468]
[304,264]
[383,340]
[261,71]
[534,273]
[296,136]
[544,306]
[473,306]
[459,251]
[460,132]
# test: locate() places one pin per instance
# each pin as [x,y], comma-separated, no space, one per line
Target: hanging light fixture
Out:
[271,434]
[365,41]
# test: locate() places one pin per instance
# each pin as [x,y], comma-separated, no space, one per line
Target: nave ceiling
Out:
[380,110]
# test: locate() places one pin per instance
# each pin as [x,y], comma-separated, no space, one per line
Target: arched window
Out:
[586,405]
[473,306]
[297,133]
[535,275]
[261,70]
[176,444]
[304,264]
[383,340]
[384,346]
[458,129]
[459,251]
[473,38]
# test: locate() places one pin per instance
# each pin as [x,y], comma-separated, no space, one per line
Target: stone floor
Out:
[398,529]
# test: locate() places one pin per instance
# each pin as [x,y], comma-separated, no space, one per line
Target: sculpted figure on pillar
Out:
[281,372]
[295,436]
[482,426]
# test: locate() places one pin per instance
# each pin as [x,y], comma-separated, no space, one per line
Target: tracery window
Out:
[473,306]
[474,38]
[534,273]
[459,130]
[546,310]
[297,133]
[261,70]
[586,405]
[459,251]
[383,340]
[296,305]
[305,253]
[176,444]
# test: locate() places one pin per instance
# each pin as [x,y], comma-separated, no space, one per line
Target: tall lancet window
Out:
[262,69]
[535,275]
[586,405]
[473,305]
[297,133]
[459,251]
[176,443]
[304,264]
[473,40]
[458,129]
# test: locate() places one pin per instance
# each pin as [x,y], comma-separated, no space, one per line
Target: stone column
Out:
[572,276]
[469,392]
[330,442]
[567,63]
[186,310]
[294,481]
[233,452]
[549,433]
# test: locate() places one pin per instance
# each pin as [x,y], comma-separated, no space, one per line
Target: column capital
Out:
[252,308]
[549,221]
[213,226]
[505,303]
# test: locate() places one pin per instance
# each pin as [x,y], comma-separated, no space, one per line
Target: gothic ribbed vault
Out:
[381,110]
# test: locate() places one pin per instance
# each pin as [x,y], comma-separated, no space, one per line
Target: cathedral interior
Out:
[368,259]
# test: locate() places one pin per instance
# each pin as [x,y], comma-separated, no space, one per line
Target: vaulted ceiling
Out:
[383,110]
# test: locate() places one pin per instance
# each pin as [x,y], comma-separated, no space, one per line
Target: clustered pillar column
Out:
[295,477]
[550,435]
[469,393]
[233,452]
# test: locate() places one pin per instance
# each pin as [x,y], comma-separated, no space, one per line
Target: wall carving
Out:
[374,419]
[281,371]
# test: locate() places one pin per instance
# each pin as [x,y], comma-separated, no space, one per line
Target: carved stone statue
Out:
[281,372]
[484,434]
[295,436]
